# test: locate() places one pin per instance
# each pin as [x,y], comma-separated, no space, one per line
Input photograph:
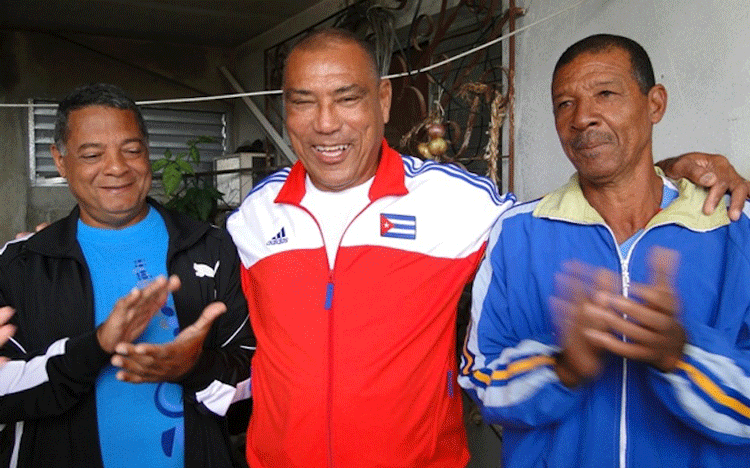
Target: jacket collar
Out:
[60,238]
[568,203]
[389,179]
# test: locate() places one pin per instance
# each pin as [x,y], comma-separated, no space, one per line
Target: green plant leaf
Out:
[193,196]
[171,178]
[214,193]
[186,167]
[203,139]
[158,165]
[195,154]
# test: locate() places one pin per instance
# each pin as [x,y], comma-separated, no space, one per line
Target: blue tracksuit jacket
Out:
[632,415]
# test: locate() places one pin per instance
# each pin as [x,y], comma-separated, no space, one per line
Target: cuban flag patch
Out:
[398,226]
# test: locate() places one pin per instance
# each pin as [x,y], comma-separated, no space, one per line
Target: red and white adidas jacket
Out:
[356,366]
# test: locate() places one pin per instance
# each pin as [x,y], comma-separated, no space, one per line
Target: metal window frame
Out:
[169,128]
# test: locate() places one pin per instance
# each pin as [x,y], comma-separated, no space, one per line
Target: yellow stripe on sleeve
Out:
[469,357]
[713,390]
[514,369]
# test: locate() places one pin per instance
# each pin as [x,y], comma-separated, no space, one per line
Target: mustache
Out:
[590,139]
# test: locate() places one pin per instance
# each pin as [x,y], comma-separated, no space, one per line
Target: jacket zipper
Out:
[625,283]
[625,274]
[329,402]
[625,269]
[625,277]
[328,307]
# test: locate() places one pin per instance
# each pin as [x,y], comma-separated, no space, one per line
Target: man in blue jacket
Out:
[611,318]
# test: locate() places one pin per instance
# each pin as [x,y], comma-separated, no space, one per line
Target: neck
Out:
[626,205]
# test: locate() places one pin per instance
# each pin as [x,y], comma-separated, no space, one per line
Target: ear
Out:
[384,95]
[657,102]
[59,163]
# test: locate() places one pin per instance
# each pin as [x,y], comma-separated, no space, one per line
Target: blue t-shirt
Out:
[139,424]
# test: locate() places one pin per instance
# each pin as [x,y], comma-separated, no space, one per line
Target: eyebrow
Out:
[351,88]
[134,140]
[342,90]
[89,145]
[101,145]
[302,92]
[595,84]
[605,82]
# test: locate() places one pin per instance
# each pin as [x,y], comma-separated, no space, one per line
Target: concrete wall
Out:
[699,51]
[34,65]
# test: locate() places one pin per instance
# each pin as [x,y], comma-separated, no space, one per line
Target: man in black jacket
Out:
[95,313]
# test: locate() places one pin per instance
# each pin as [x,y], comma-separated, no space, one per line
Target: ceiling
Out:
[212,23]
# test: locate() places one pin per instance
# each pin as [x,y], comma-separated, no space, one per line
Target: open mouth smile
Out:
[331,152]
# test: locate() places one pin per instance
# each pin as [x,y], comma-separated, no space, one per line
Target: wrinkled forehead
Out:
[331,56]
[91,124]
[608,65]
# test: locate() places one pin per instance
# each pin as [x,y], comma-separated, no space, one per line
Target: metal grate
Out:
[167,128]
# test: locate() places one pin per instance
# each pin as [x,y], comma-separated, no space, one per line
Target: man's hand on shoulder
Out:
[168,362]
[38,228]
[714,172]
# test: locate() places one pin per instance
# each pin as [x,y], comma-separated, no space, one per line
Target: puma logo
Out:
[202,270]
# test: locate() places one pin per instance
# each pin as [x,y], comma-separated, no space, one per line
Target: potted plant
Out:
[184,190]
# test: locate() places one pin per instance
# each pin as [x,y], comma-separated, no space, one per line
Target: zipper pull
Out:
[329,295]
[625,283]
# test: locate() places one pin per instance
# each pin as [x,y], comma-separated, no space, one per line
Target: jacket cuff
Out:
[85,353]
[202,374]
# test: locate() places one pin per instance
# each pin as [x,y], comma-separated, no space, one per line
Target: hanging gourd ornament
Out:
[437,146]
[424,150]
[435,130]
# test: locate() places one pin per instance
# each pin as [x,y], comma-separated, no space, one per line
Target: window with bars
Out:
[167,128]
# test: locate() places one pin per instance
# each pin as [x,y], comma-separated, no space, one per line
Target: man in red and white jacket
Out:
[353,263]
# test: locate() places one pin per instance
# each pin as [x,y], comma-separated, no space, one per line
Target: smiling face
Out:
[336,110]
[106,165]
[602,117]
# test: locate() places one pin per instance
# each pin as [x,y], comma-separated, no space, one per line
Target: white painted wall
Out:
[700,51]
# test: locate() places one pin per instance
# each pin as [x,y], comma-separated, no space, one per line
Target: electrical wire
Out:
[278,91]
[486,44]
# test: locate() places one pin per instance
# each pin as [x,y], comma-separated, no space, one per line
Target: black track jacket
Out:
[47,398]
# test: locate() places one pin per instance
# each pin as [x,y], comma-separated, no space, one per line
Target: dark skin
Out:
[714,172]
[132,313]
[590,313]
[6,330]
[147,362]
